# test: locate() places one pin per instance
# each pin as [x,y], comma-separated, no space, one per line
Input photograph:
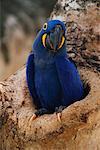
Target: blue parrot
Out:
[53,79]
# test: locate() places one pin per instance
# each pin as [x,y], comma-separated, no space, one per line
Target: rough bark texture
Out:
[80,126]
[82,19]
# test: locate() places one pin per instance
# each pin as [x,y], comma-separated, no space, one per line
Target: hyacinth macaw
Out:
[53,80]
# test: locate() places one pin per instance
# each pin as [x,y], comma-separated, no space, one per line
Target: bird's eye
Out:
[45,26]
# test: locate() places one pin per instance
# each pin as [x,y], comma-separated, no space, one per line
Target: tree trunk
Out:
[80,126]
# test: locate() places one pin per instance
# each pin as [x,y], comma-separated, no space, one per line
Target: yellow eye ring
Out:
[45,26]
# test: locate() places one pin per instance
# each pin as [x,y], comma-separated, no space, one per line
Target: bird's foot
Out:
[38,113]
[58,111]
[33,117]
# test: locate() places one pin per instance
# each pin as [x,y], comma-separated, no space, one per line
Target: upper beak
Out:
[55,39]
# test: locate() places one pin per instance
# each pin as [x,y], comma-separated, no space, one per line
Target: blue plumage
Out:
[53,80]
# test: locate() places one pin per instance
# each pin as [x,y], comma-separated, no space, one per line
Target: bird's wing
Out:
[72,61]
[30,79]
[72,87]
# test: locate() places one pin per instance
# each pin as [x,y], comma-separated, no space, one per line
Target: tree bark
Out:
[80,126]
[82,19]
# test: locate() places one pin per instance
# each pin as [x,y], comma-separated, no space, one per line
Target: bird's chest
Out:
[47,83]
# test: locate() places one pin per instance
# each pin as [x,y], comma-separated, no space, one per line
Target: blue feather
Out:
[30,79]
[53,80]
[70,81]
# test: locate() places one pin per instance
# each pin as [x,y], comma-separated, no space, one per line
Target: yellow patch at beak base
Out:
[44,39]
[62,42]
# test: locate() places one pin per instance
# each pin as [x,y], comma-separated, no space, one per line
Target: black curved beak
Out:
[55,39]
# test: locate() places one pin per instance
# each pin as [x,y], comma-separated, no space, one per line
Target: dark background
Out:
[20,20]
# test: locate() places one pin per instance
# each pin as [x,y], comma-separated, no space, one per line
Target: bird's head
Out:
[51,37]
